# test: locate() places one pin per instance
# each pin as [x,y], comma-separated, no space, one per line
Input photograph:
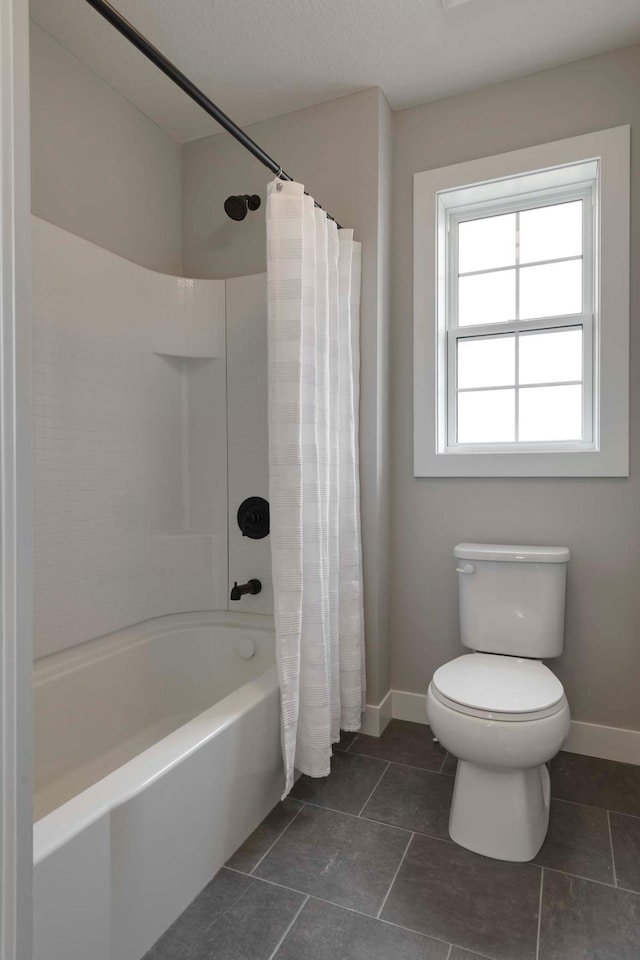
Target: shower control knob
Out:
[253,518]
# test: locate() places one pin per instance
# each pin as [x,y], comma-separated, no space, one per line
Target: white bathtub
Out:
[157,752]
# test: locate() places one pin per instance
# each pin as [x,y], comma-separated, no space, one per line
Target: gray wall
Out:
[599,519]
[99,167]
[340,150]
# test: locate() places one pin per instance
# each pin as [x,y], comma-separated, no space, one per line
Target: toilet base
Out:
[500,813]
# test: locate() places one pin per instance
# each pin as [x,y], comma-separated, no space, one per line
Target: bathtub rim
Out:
[74,658]
[128,780]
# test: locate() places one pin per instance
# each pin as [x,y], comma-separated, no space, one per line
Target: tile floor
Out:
[359,866]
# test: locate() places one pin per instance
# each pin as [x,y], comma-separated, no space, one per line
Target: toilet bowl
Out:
[503,738]
[500,710]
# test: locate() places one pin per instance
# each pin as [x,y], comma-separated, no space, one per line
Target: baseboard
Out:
[610,743]
[409,706]
[376,718]
[590,739]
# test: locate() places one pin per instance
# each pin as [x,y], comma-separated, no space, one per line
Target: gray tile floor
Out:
[359,866]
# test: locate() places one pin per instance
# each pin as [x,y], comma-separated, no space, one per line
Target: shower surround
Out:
[157,718]
[130,484]
[134,375]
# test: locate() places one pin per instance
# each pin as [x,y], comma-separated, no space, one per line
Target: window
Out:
[519,318]
[521,312]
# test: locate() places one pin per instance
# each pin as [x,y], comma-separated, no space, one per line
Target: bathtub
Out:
[157,752]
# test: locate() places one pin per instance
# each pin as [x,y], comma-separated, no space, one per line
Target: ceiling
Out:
[260,59]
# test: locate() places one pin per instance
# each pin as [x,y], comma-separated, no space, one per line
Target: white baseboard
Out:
[409,706]
[610,743]
[590,739]
[376,718]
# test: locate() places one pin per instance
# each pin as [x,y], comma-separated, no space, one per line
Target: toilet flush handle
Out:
[466,568]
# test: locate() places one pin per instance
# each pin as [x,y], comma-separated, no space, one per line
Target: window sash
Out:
[585,321]
[450,332]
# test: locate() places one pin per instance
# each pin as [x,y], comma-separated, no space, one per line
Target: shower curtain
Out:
[313,272]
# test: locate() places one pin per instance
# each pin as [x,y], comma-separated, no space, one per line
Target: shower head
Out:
[237,207]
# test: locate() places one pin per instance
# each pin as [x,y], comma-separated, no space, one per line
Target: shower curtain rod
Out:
[112,16]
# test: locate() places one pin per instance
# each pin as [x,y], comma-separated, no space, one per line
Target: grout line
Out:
[288,930]
[356,816]
[618,813]
[381,823]
[576,803]
[393,879]
[429,836]
[280,835]
[444,760]
[592,806]
[449,952]
[579,876]
[376,785]
[576,876]
[539,914]
[613,856]
[396,763]
[273,883]
[357,737]
[628,890]
[313,896]
[359,913]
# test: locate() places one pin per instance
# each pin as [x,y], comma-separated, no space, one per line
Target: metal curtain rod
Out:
[112,16]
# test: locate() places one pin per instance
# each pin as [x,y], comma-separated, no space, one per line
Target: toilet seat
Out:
[497,687]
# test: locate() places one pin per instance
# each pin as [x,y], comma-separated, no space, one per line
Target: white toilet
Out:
[500,710]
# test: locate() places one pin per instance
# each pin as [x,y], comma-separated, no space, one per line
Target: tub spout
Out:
[238,590]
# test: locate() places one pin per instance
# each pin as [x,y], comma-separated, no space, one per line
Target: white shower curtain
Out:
[314,296]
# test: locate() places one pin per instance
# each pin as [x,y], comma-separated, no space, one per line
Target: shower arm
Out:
[133,35]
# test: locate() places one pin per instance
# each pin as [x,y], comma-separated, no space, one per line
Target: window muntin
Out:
[519,323]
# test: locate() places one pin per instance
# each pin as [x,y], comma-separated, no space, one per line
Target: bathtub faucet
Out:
[238,591]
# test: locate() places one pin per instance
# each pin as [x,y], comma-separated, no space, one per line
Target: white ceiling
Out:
[262,58]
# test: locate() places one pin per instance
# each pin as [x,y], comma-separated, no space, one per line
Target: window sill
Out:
[508,463]
[517,450]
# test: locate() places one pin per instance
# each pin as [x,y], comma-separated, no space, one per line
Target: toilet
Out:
[500,710]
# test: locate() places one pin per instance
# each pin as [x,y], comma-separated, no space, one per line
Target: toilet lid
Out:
[492,683]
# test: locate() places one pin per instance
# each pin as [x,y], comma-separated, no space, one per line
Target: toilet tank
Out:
[511,598]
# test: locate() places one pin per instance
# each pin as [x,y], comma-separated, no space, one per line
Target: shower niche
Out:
[190,484]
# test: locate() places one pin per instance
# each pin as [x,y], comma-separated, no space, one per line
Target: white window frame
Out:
[449,194]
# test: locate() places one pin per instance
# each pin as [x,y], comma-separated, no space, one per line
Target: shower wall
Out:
[130,442]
